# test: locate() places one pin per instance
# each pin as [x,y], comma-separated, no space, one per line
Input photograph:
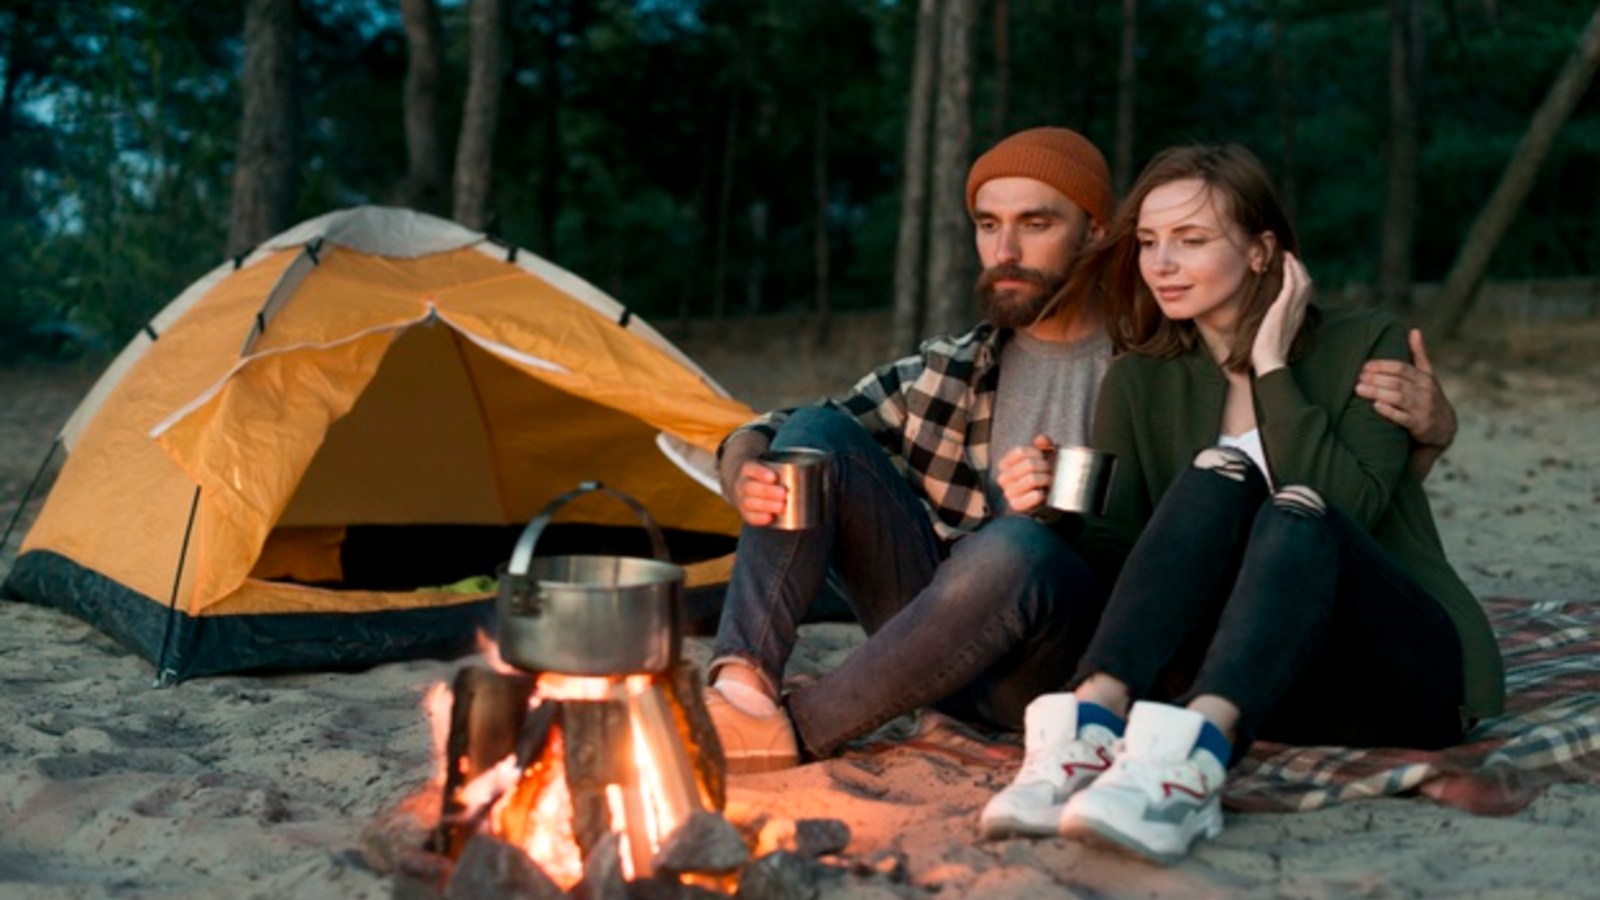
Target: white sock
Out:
[748,700]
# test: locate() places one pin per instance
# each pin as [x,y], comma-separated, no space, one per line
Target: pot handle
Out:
[522,556]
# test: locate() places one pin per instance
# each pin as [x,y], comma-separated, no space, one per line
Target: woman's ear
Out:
[1262,251]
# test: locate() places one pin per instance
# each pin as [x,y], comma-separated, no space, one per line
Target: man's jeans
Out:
[1298,617]
[977,634]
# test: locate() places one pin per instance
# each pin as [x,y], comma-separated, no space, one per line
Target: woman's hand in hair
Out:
[1024,475]
[1283,319]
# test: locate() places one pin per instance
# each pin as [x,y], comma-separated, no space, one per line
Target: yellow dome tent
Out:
[373,382]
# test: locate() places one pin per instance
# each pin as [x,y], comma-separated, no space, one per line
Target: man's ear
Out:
[1262,250]
[1095,234]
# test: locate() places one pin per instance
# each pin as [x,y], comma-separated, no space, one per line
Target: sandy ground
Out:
[263,787]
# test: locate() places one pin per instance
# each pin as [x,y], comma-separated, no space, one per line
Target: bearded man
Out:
[967,610]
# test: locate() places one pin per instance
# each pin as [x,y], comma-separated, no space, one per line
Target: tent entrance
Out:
[448,452]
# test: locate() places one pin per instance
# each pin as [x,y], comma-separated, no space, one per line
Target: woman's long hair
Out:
[1109,270]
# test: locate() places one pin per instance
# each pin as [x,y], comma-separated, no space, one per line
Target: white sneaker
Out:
[752,743]
[1059,758]
[1160,795]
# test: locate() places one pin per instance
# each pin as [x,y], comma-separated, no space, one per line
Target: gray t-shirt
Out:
[1048,388]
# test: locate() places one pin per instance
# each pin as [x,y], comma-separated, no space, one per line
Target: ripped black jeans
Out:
[1290,611]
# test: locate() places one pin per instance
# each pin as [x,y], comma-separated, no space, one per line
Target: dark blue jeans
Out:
[1299,618]
[976,633]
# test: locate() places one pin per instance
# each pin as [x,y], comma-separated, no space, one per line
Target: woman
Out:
[1287,582]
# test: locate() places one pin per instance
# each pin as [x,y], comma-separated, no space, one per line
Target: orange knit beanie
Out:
[1059,157]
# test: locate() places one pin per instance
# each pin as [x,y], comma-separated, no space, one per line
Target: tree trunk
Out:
[480,117]
[423,188]
[1400,203]
[910,251]
[1000,115]
[1472,261]
[949,266]
[264,169]
[819,184]
[755,273]
[1127,96]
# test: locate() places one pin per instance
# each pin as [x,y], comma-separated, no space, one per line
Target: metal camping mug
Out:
[803,472]
[1081,480]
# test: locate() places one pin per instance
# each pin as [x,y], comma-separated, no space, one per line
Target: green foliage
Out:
[667,149]
[120,180]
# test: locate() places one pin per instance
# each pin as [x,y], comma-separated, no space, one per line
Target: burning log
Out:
[598,744]
[693,722]
[486,719]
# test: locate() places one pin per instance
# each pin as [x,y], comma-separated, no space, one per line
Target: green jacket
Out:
[1155,415]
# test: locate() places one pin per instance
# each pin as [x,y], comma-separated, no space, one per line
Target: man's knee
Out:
[1018,548]
[819,426]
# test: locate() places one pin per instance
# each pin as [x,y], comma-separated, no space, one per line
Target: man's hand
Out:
[1025,475]
[1411,397]
[757,495]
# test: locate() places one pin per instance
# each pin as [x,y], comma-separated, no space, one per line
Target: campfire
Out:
[553,764]
[585,761]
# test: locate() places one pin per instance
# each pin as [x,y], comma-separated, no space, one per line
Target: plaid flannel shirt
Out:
[932,412]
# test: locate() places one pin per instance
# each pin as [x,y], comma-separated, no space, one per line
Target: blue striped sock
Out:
[1095,714]
[1214,742]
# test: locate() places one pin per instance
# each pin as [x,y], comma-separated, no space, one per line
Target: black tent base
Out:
[379,559]
[213,645]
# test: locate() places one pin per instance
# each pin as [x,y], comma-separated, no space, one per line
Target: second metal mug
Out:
[1081,480]
[803,472]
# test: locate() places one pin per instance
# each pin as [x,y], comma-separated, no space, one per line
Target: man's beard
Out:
[1013,307]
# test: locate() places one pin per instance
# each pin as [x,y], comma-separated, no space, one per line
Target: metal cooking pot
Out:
[590,615]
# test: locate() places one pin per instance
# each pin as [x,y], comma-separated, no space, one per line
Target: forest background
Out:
[722,159]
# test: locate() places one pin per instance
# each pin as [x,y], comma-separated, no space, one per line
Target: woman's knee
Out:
[1227,462]
[1300,501]
[1219,482]
[1293,512]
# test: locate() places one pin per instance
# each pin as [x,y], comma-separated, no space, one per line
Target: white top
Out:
[1250,443]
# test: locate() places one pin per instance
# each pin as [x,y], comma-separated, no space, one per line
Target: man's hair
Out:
[1241,192]
[1059,157]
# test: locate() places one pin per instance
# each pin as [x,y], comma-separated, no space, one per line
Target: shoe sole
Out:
[1000,827]
[1106,835]
[755,765]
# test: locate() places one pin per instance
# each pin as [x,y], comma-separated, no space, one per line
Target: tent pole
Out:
[27,495]
[165,675]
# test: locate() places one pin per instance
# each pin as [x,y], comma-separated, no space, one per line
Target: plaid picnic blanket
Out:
[1549,732]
